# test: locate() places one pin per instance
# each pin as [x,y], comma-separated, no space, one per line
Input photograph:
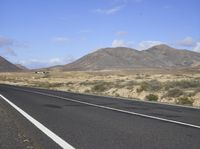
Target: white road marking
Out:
[63,144]
[114,109]
[145,101]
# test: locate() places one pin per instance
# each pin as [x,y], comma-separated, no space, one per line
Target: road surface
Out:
[94,122]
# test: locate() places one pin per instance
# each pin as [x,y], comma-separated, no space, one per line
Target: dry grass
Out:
[178,87]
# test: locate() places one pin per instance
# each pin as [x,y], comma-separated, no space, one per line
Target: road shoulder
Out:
[16,132]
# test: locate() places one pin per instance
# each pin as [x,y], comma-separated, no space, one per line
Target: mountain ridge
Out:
[6,66]
[159,56]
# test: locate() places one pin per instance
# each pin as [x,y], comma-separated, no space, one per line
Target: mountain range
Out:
[159,56]
[119,58]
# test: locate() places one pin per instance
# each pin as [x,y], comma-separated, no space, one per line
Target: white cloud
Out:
[147,44]
[6,46]
[121,43]
[187,41]
[60,39]
[8,42]
[9,51]
[197,47]
[122,33]
[55,61]
[4,42]
[118,43]
[109,11]
[37,63]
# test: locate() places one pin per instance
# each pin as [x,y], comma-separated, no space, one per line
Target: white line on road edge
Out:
[44,129]
[114,109]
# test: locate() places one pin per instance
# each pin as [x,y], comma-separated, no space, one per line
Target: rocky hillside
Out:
[6,66]
[160,56]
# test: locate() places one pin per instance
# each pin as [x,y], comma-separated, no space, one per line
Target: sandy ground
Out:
[177,87]
[12,136]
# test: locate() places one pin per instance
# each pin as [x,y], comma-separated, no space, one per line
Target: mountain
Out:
[165,56]
[22,67]
[6,66]
[107,58]
[160,56]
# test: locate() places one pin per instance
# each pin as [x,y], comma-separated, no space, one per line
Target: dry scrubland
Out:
[177,87]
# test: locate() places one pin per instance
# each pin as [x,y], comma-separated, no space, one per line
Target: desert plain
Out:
[180,87]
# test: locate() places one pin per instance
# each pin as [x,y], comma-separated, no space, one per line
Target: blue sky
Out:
[40,33]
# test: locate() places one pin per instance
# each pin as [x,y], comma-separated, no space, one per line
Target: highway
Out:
[95,122]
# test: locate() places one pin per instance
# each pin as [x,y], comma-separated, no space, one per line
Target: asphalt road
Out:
[93,122]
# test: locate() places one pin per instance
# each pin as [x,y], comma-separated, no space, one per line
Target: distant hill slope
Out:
[108,58]
[6,66]
[160,56]
[22,67]
[165,56]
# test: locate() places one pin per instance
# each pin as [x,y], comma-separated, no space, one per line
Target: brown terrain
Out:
[120,58]
[22,67]
[6,66]
[160,73]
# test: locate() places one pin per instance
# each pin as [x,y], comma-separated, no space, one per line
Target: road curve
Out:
[89,122]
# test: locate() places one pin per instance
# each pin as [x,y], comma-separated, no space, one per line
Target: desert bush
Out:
[87,83]
[184,101]
[117,95]
[174,92]
[101,86]
[48,85]
[46,75]
[139,77]
[152,97]
[139,90]
[144,86]
[130,84]
[197,90]
[43,84]
[87,91]
[147,75]
[68,83]
[152,85]
[56,84]
[182,84]
[119,84]
[69,90]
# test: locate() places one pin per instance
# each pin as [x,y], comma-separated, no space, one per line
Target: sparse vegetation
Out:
[139,90]
[48,85]
[130,84]
[197,90]
[117,95]
[183,84]
[152,97]
[87,91]
[179,89]
[184,101]
[174,92]
[101,86]
[152,85]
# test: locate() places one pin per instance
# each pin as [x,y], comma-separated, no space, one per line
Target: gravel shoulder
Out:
[18,133]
